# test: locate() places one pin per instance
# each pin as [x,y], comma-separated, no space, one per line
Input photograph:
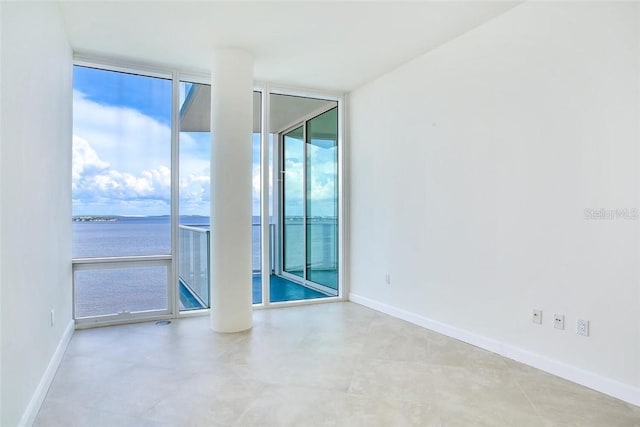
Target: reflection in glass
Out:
[293,208]
[322,199]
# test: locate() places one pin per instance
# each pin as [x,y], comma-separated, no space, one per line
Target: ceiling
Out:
[334,46]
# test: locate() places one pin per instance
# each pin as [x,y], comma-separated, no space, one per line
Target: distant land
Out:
[94,219]
[187,218]
[114,218]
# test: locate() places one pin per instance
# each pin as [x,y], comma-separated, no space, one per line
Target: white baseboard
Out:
[614,388]
[30,414]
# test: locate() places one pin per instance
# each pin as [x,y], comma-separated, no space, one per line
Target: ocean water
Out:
[115,290]
[135,236]
[128,236]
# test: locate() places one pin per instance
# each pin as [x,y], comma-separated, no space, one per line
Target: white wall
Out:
[471,167]
[35,180]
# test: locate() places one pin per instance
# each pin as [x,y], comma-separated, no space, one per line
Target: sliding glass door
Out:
[309,203]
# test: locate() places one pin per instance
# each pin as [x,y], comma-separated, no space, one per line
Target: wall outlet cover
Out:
[558,321]
[536,316]
[582,327]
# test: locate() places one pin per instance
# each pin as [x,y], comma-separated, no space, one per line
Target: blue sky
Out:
[150,96]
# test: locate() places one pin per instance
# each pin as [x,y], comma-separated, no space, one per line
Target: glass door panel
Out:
[292,202]
[194,196]
[322,199]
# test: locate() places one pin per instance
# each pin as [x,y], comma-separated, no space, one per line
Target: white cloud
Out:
[124,137]
[85,158]
[195,194]
[121,165]
[121,161]
[95,179]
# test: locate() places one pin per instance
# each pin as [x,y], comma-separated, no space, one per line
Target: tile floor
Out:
[334,364]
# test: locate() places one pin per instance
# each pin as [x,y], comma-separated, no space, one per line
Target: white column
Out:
[231,176]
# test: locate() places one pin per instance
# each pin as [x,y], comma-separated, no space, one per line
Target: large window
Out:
[121,164]
[141,195]
[121,190]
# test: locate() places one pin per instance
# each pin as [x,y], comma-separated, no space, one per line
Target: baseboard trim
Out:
[588,379]
[30,414]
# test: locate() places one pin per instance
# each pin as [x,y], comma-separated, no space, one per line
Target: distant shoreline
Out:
[204,219]
[94,219]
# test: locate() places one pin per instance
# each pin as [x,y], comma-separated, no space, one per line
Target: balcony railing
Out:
[193,268]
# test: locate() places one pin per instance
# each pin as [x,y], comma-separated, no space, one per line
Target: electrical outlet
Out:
[536,316]
[582,327]
[387,279]
[558,321]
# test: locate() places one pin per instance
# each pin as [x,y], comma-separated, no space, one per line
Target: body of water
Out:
[135,236]
[114,290]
